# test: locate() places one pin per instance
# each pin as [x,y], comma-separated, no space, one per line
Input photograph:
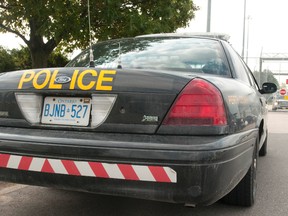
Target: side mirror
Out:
[268,88]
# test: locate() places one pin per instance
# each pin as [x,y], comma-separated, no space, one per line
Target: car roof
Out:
[220,36]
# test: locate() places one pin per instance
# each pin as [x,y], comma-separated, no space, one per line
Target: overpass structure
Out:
[274,57]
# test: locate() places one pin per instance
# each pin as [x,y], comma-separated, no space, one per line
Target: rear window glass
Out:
[182,54]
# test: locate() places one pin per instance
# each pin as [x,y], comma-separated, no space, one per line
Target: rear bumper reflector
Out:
[89,169]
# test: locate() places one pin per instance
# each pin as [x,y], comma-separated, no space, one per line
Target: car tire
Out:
[263,150]
[244,193]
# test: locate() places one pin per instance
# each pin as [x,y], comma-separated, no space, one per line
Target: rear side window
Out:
[240,71]
[175,54]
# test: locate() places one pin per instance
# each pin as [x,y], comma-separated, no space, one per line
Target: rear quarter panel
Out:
[245,110]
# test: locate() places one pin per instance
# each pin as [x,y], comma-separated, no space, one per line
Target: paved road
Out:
[272,194]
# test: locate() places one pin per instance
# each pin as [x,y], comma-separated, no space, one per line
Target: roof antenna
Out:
[91,63]
[119,61]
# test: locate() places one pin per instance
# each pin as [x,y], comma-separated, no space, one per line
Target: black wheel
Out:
[263,150]
[244,193]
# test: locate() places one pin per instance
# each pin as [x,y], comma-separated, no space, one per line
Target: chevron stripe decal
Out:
[89,169]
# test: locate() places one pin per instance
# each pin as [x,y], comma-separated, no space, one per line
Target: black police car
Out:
[170,117]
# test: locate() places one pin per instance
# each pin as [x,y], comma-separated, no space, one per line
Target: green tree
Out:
[46,24]
[57,59]
[20,59]
[265,76]
[6,62]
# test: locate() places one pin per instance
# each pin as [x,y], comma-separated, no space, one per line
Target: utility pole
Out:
[247,43]
[244,27]
[209,16]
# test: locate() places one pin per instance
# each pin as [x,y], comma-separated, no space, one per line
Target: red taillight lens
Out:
[199,103]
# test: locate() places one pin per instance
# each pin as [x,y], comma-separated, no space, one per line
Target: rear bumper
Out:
[180,169]
[281,105]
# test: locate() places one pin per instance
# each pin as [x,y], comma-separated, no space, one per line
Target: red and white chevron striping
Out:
[89,169]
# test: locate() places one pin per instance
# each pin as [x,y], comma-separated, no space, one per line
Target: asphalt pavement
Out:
[272,193]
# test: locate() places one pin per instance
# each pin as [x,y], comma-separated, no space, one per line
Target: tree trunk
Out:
[39,50]
[39,57]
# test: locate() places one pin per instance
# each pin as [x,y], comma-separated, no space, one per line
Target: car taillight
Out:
[200,103]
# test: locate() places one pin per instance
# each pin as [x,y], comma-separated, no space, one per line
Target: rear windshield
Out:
[182,54]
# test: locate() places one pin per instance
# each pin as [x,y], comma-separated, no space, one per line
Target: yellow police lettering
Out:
[47,74]
[81,77]
[73,79]
[26,77]
[85,80]
[52,85]
[102,78]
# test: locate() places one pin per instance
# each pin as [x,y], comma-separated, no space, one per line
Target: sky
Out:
[266,31]
[265,19]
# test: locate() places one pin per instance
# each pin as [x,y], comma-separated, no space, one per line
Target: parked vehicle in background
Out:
[169,117]
[279,101]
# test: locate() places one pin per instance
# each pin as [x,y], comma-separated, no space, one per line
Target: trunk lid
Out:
[136,101]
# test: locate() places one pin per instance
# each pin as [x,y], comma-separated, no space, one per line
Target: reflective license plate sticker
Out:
[66,111]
